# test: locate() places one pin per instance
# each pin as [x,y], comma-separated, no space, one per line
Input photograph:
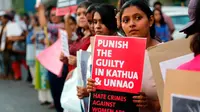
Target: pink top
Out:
[192,65]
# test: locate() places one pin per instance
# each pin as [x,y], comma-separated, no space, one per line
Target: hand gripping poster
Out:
[117,69]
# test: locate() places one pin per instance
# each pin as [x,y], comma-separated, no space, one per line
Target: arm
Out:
[67,26]
[41,15]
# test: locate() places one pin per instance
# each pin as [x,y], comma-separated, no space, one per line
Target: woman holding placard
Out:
[103,25]
[137,21]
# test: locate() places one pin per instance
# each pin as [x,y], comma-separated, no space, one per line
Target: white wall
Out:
[5,4]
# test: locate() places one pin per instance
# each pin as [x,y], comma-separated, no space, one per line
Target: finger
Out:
[141,106]
[91,80]
[140,97]
[143,102]
[142,93]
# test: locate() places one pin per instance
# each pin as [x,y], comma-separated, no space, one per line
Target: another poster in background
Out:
[164,52]
[64,42]
[82,64]
[182,103]
[181,93]
[50,57]
[174,63]
[117,69]
[67,6]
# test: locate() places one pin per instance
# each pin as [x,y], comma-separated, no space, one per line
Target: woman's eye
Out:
[78,14]
[94,22]
[138,17]
[125,20]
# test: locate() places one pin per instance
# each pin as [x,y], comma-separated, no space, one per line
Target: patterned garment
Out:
[53,31]
[41,78]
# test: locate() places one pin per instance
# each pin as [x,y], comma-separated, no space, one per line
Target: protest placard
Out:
[64,42]
[67,6]
[82,66]
[50,58]
[164,52]
[181,93]
[117,69]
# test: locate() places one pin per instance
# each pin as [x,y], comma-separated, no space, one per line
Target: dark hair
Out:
[108,13]
[26,16]
[157,3]
[195,43]
[73,19]
[84,4]
[92,8]
[145,8]
[8,17]
[162,20]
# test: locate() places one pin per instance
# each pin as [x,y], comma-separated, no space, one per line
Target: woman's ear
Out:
[151,20]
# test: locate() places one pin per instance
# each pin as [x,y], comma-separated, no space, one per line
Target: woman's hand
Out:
[63,58]
[82,92]
[72,60]
[141,100]
[91,85]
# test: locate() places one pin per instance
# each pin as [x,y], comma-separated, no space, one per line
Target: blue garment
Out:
[28,38]
[163,32]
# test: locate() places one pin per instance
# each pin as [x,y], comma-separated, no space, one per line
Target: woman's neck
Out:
[151,42]
[157,24]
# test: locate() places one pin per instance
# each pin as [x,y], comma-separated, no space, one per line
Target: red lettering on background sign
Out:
[99,96]
[94,109]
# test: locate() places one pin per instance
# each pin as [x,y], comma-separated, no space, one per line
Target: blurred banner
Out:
[67,6]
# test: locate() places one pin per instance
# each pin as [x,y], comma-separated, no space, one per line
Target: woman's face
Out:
[90,22]
[99,27]
[135,22]
[81,17]
[54,19]
[157,16]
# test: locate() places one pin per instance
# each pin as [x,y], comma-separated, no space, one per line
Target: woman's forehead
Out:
[132,10]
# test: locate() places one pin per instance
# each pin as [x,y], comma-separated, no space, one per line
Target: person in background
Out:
[83,33]
[162,30]
[71,21]
[194,10]
[56,83]
[82,43]
[41,78]
[5,51]
[30,48]
[18,46]
[137,21]
[103,25]
[190,28]
[168,20]
[89,14]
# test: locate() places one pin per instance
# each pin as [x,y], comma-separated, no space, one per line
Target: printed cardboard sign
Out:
[117,69]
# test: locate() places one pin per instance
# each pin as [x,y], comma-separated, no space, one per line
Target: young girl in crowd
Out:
[41,78]
[162,30]
[83,35]
[137,21]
